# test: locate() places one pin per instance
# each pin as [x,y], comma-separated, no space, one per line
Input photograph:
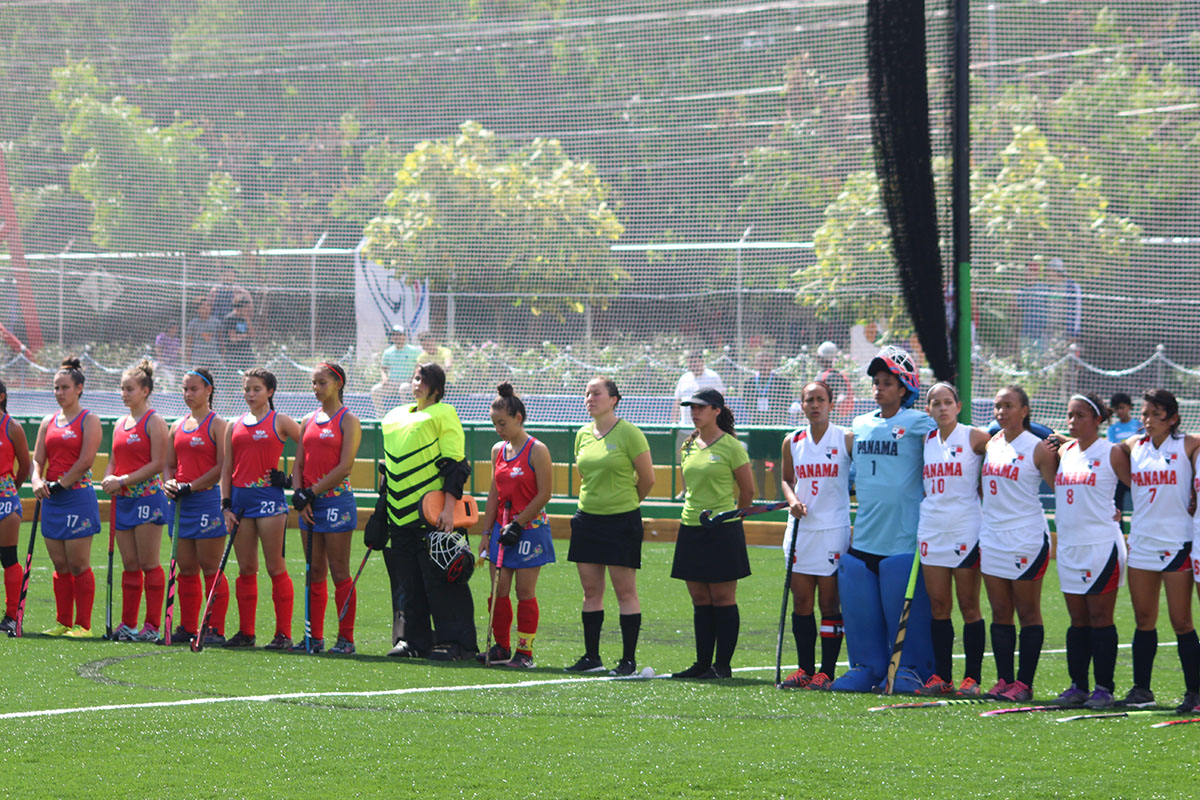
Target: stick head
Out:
[705,516]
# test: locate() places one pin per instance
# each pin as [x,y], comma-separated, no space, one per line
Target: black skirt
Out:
[611,539]
[711,554]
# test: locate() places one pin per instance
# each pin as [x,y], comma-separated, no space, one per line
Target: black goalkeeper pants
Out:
[434,612]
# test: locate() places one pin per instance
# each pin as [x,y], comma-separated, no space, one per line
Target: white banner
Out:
[381,301]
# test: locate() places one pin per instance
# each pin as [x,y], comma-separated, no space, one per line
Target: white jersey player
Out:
[816,485]
[1159,467]
[948,539]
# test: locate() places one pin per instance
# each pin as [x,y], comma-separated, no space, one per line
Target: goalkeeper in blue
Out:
[873,574]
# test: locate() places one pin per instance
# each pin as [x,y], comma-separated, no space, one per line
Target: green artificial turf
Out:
[567,737]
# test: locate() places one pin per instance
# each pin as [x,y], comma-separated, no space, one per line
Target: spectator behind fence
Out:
[765,391]
[236,333]
[225,293]
[696,378]
[1068,298]
[1032,309]
[205,331]
[396,366]
[434,353]
[836,380]
[1119,430]
[166,352]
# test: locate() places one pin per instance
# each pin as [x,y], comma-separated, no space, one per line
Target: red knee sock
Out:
[527,623]
[317,606]
[246,587]
[155,581]
[283,596]
[502,622]
[64,598]
[85,596]
[13,575]
[131,597]
[190,599]
[220,603]
[341,593]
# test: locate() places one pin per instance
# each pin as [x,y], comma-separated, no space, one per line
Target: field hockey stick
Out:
[198,642]
[787,588]
[112,538]
[708,518]
[995,712]
[308,645]
[169,614]
[902,628]
[1143,712]
[487,653]
[1175,722]
[37,513]
[353,586]
[960,701]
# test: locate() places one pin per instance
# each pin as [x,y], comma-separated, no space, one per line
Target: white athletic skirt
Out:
[1159,555]
[956,550]
[1091,568]
[817,552]
[1020,554]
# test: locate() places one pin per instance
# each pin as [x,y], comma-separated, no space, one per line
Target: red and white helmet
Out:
[898,362]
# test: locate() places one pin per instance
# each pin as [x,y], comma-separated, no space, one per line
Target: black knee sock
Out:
[1079,655]
[804,631]
[973,645]
[1189,659]
[631,626]
[593,621]
[1104,656]
[1004,647]
[727,624]
[1145,645]
[831,643]
[1031,639]
[704,624]
[942,633]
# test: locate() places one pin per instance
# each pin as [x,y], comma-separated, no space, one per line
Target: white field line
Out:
[266,698]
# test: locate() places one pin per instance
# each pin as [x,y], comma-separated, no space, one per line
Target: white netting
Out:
[577,188]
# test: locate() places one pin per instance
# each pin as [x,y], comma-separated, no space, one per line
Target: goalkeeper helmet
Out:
[451,553]
[898,362]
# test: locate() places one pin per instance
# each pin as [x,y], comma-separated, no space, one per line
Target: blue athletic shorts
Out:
[73,514]
[255,502]
[337,514]
[200,515]
[134,511]
[533,549]
[10,504]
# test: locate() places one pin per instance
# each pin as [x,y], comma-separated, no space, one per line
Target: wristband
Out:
[226,504]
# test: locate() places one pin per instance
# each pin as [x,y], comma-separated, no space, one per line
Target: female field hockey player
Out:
[424,451]
[615,476]
[195,458]
[522,482]
[1091,550]
[321,474]
[948,537]
[816,485]
[1014,542]
[1158,466]
[133,480]
[873,575]
[252,486]
[15,464]
[62,479]
[711,560]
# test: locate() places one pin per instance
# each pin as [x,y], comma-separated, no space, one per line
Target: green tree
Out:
[468,216]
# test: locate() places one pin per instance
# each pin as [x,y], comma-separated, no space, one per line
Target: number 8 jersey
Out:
[822,472]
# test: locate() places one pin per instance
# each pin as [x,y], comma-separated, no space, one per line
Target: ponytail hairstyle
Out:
[1023,396]
[433,377]
[4,398]
[724,422]
[268,379]
[610,386]
[1103,412]
[206,376]
[338,373]
[73,368]
[143,373]
[1159,398]
[508,402]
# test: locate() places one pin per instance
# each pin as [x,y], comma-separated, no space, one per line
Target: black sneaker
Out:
[694,671]
[1191,701]
[498,655]
[178,636]
[317,646]
[239,639]
[586,663]
[214,639]
[280,642]
[520,660]
[8,625]
[624,669]
[448,651]
[715,673]
[1137,698]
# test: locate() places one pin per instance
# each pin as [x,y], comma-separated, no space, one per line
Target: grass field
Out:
[372,726]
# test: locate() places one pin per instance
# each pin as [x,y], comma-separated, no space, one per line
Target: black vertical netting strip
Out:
[896,64]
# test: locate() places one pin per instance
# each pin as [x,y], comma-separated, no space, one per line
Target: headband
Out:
[198,375]
[336,372]
[1085,399]
[948,385]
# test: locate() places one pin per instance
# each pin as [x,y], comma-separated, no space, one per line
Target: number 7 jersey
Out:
[822,473]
